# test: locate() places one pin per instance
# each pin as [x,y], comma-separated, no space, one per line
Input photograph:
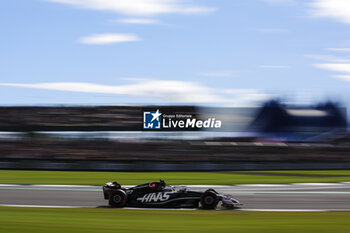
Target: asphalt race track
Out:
[302,197]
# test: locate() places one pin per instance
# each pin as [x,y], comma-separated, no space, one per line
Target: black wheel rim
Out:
[117,199]
[208,200]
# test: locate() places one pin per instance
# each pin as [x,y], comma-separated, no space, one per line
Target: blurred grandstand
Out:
[99,138]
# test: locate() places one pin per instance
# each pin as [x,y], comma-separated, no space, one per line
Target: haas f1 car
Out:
[158,195]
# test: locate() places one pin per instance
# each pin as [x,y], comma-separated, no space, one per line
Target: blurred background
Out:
[76,77]
[273,136]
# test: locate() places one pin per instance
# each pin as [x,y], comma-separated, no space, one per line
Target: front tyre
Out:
[209,200]
[117,199]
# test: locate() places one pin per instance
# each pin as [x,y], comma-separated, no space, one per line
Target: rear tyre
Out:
[209,200]
[117,199]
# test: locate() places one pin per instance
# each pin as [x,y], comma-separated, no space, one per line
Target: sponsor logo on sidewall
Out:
[154,197]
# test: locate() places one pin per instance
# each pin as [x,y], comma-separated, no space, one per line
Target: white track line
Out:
[130,208]
[50,185]
[191,186]
[263,185]
[313,188]
[294,210]
[64,186]
[41,206]
[315,184]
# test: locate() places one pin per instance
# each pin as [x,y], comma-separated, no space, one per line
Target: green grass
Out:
[15,219]
[310,172]
[99,178]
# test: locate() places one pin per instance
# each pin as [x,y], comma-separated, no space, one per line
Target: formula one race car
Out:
[158,195]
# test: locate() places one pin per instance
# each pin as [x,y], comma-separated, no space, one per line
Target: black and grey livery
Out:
[158,195]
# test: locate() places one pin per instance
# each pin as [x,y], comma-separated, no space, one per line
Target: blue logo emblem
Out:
[151,120]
